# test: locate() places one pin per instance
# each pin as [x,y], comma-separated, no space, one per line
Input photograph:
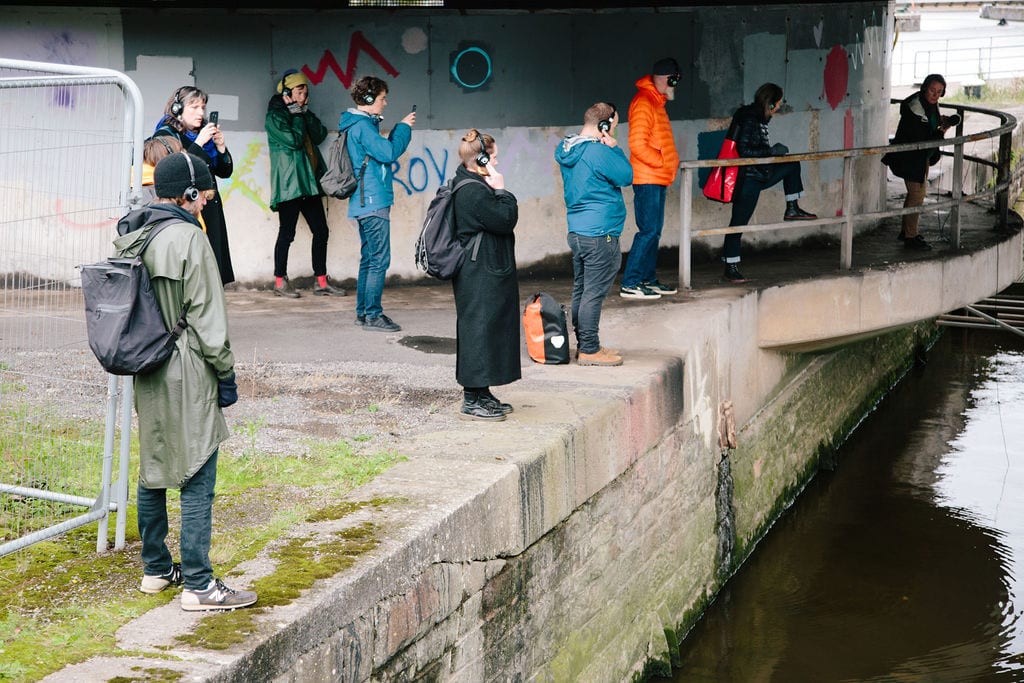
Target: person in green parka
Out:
[179,405]
[296,166]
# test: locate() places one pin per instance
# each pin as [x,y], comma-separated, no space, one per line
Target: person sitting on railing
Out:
[749,129]
[919,121]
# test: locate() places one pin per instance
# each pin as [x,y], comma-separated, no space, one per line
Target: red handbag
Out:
[722,180]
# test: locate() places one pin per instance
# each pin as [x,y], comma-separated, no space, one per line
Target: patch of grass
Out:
[61,603]
[151,675]
[301,561]
[993,94]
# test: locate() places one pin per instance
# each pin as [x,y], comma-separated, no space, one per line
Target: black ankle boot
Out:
[795,213]
[733,274]
[490,399]
[477,407]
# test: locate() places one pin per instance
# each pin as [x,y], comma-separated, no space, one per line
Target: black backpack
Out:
[126,329]
[341,180]
[438,251]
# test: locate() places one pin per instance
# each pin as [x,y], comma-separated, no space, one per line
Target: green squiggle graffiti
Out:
[241,180]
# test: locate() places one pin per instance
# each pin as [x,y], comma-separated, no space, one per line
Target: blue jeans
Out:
[595,262]
[196,526]
[747,193]
[649,210]
[374,260]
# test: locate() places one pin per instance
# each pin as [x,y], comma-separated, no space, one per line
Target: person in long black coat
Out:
[487,286]
[185,119]
[920,120]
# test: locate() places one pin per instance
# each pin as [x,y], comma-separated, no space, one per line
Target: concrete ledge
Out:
[831,311]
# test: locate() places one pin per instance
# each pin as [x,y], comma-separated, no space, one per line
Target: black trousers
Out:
[744,201]
[312,209]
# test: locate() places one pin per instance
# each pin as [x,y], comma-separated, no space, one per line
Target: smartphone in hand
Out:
[215,118]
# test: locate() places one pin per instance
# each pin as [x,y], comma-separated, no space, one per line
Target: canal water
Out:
[905,563]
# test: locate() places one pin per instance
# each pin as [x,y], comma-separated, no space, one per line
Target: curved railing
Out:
[1007,124]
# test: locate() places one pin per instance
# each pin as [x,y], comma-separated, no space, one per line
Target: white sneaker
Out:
[155,584]
[216,596]
[638,292]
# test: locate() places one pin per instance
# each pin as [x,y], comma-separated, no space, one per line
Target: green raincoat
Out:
[180,423]
[296,164]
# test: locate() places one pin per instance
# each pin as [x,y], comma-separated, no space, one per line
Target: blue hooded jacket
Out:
[592,175]
[364,138]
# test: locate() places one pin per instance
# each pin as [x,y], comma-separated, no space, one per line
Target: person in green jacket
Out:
[296,166]
[179,405]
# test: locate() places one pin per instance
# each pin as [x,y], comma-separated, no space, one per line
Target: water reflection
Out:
[904,563]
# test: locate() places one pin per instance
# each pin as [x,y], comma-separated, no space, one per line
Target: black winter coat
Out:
[749,128]
[487,289]
[213,212]
[919,121]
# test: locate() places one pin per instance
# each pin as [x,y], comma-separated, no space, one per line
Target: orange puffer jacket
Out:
[652,149]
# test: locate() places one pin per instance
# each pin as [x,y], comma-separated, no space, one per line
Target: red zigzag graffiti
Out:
[327,61]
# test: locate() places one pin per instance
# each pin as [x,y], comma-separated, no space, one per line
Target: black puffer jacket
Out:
[749,128]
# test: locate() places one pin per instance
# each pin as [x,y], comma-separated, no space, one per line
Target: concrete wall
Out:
[547,68]
[583,551]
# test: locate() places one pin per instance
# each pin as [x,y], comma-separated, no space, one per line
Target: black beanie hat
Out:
[172,175]
[665,67]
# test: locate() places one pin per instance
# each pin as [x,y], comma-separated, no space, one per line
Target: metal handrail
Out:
[846,218]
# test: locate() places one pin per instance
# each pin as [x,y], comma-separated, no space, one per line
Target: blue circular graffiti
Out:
[471,67]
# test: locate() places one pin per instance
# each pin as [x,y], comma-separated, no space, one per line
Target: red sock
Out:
[321,280]
[278,281]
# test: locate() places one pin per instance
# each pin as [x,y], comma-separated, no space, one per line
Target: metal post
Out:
[846,232]
[1003,177]
[958,190]
[103,501]
[121,490]
[685,215]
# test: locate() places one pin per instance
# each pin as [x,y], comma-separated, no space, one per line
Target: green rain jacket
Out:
[296,164]
[180,423]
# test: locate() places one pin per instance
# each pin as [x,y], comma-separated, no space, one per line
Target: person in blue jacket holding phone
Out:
[594,171]
[371,204]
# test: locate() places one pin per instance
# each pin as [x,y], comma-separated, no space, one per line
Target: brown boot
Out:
[603,357]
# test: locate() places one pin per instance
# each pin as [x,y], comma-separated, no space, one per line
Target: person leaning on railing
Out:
[919,121]
[749,129]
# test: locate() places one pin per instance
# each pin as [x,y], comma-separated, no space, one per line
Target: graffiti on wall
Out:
[358,43]
[243,180]
[416,176]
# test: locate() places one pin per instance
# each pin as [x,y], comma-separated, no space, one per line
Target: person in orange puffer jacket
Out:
[655,161]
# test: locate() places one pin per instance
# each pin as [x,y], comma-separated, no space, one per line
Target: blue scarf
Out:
[210,147]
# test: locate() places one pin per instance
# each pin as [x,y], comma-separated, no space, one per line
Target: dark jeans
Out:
[374,260]
[747,193]
[196,526]
[649,210]
[312,209]
[595,262]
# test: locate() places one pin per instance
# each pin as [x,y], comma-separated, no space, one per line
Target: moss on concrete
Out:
[149,676]
[801,432]
[300,562]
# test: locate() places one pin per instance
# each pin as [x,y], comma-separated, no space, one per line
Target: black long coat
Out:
[213,212]
[919,122]
[487,289]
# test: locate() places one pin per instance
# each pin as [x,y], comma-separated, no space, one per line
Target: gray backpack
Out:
[341,180]
[126,329]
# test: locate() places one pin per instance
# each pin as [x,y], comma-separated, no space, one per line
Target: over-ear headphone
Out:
[483,158]
[191,192]
[369,97]
[177,106]
[673,80]
[605,125]
[286,91]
